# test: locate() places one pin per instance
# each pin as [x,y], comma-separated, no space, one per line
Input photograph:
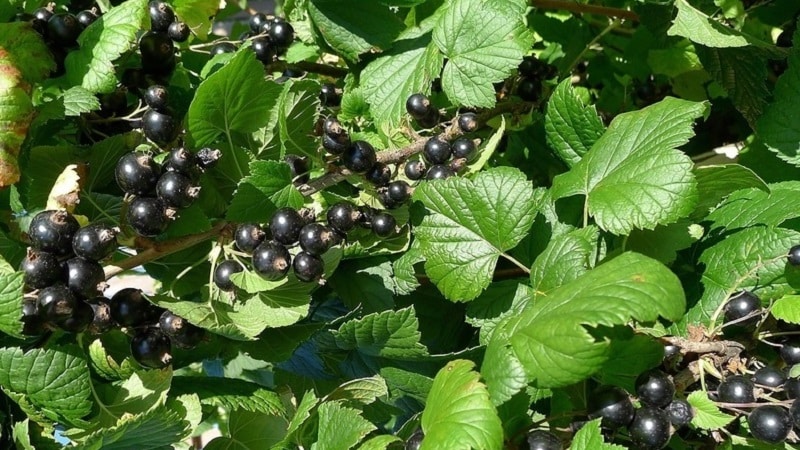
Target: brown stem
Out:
[570,5]
[162,249]
[307,66]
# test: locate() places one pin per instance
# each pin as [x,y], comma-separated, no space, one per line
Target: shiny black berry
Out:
[794,255]
[81,318]
[307,267]
[248,236]
[182,161]
[41,269]
[32,322]
[437,150]
[158,53]
[316,238]
[770,423]
[181,332]
[222,47]
[333,128]
[271,260]
[264,49]
[147,216]
[102,321]
[439,172]
[63,29]
[418,106]
[359,157]
[161,15]
[380,174]
[156,97]
[129,308]
[178,31]
[298,167]
[415,170]
[137,173]
[770,377]
[736,389]
[612,405]
[160,127]
[542,440]
[328,95]
[399,191]
[285,226]
[44,13]
[655,388]
[95,241]
[256,21]
[84,276]
[336,146]
[86,17]
[794,411]
[176,190]
[52,231]
[740,305]
[208,157]
[792,387]
[680,413]
[152,348]
[464,148]
[342,216]
[414,442]
[281,34]
[790,352]
[468,122]
[383,224]
[529,89]
[223,272]
[650,428]
[56,303]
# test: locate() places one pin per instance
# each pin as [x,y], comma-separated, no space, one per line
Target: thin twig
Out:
[573,6]
[307,66]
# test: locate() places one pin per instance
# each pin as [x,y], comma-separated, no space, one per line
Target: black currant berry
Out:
[342,217]
[736,389]
[41,269]
[285,226]
[655,388]
[178,31]
[542,440]
[380,174]
[137,173]
[156,97]
[151,348]
[281,34]
[529,89]
[256,21]
[208,157]
[612,405]
[770,423]
[415,170]
[650,428]
[316,239]
[464,148]
[264,49]
[52,231]
[222,47]
[794,411]
[176,190]
[307,267]
[794,255]
[183,162]
[81,318]
[161,15]
[336,146]
[328,95]
[418,106]
[147,216]
[790,352]
[437,150]
[95,241]
[102,321]
[271,260]
[129,308]
[770,377]
[248,236]
[529,67]
[223,272]
[792,387]
[160,127]
[63,29]
[743,304]
[359,157]
[468,122]
[44,13]
[414,442]
[84,276]
[298,167]
[56,303]
[32,323]
[439,172]
[680,413]
[158,53]
[181,332]
[333,128]
[86,17]
[383,224]
[399,191]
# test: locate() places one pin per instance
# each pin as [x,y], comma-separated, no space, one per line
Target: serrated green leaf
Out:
[105,365]
[78,100]
[196,14]
[498,301]
[390,334]
[340,428]
[550,338]
[787,308]
[664,241]
[707,415]
[698,27]
[102,43]
[459,414]
[297,115]
[267,188]
[25,52]
[775,128]
[633,177]
[143,391]
[362,391]
[301,416]
[469,224]
[565,258]
[231,394]
[714,183]
[250,431]
[588,437]
[379,442]
[484,42]
[11,285]
[486,149]
[572,127]
[675,60]
[406,383]
[754,206]
[403,268]
[366,282]
[630,356]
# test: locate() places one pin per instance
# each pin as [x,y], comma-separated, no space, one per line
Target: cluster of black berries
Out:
[159,192]
[532,72]
[159,122]
[60,30]
[157,45]
[63,265]
[270,37]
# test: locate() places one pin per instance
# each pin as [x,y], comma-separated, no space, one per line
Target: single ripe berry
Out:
[468,122]
[32,323]
[84,276]
[794,411]
[282,34]
[147,216]
[182,161]
[529,89]
[464,148]
[223,272]
[285,226]
[383,224]
[439,172]
[156,97]
[180,331]
[336,146]
[176,190]
[298,167]
[86,17]
[743,304]
[81,318]
[307,267]
[63,29]
[655,388]
[41,269]
[333,128]
[612,405]
[770,423]
[792,387]
[137,173]
[52,231]
[328,95]
[102,321]
[129,308]
[736,389]
[680,413]
[418,106]
[158,53]
[794,255]
[770,377]
[359,157]
[160,127]
[650,428]
[380,174]
[248,236]
[316,239]
[543,440]
[44,13]
[529,67]
[264,49]
[342,216]
[56,303]
[178,31]
[415,440]
[386,201]
[95,241]
[222,47]
[208,157]
[790,352]
[415,170]
[399,191]
[151,348]
[437,150]
[161,15]
[256,21]
[271,260]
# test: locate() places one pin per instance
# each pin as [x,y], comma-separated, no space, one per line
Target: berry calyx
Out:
[437,150]
[156,97]
[770,377]
[223,272]
[342,217]
[794,255]
[160,126]
[52,231]
[770,423]
[152,348]
[359,157]
[650,428]
[655,388]
[383,224]
[415,170]
[543,440]
[208,157]
[181,332]
[40,269]
[176,190]
[248,236]
[84,276]
[129,308]
[147,216]
[307,267]
[612,405]
[285,226]
[271,261]
[464,148]
[439,172]
[161,15]
[95,241]
[178,32]
[137,173]
[380,174]
[468,122]
[736,389]
[102,321]
[680,413]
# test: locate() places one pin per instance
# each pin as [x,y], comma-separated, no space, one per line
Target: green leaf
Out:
[353,27]
[484,42]
[231,394]
[380,442]
[104,364]
[787,308]
[55,380]
[469,224]
[755,206]
[572,127]
[497,302]
[340,428]
[775,128]
[250,431]
[102,42]
[25,51]
[630,356]
[142,392]
[459,414]
[697,27]
[365,282]
[588,437]
[267,188]
[707,415]
[550,338]
[390,334]
[78,100]
[714,183]
[405,383]
[196,13]
[633,177]
[297,115]
[675,60]
[362,391]
[566,257]
[236,98]
[11,303]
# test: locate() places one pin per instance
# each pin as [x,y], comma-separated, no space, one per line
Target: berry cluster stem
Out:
[572,6]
